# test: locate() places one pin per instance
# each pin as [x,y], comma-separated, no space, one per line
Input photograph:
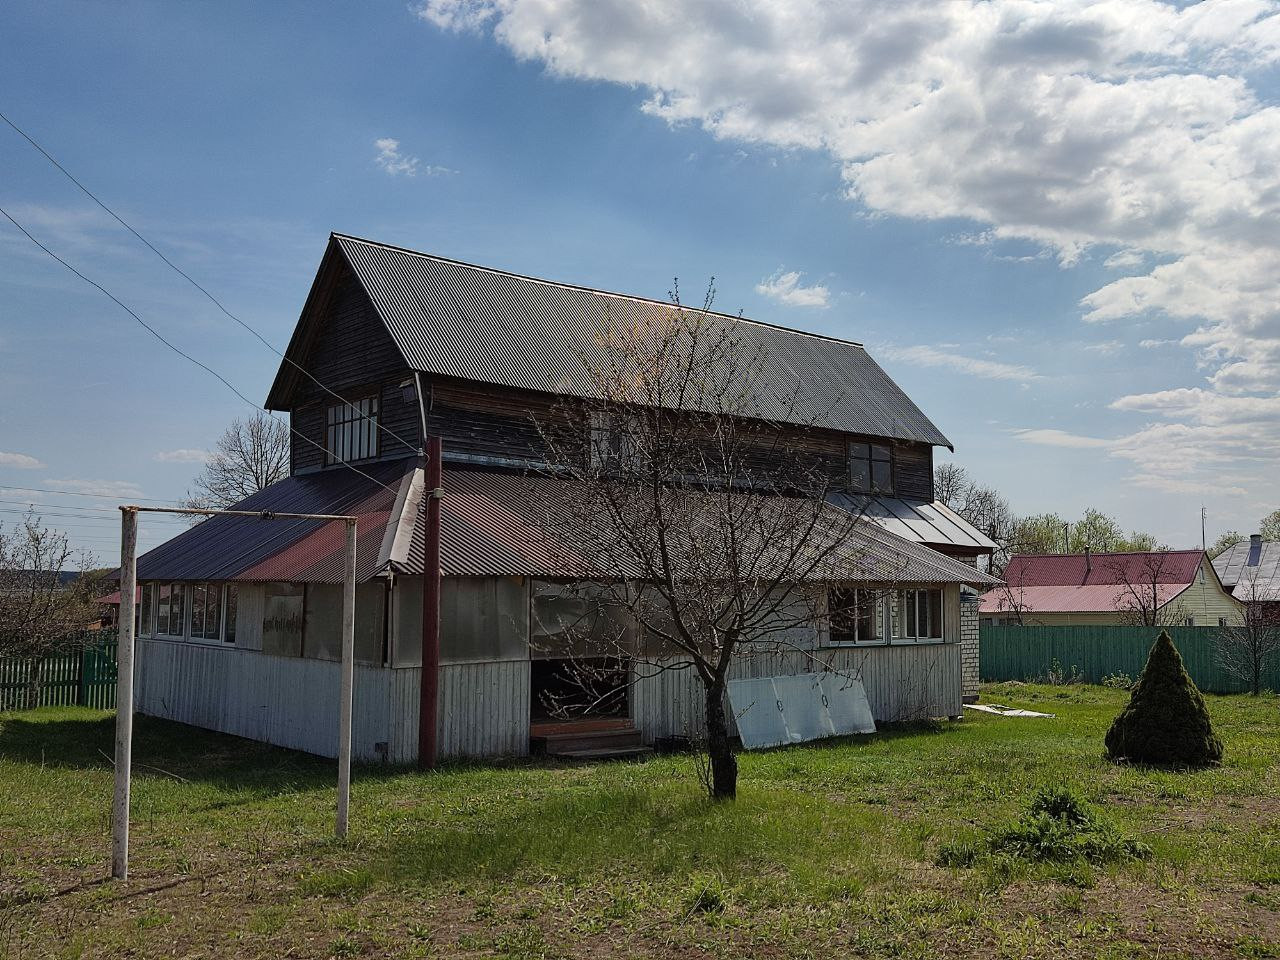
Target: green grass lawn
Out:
[830,850]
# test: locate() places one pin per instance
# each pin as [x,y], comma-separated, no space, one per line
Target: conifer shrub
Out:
[1166,722]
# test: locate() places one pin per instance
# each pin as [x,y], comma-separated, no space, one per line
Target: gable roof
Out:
[1102,569]
[1247,563]
[1070,583]
[456,319]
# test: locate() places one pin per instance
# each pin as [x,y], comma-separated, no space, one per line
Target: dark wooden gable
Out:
[342,342]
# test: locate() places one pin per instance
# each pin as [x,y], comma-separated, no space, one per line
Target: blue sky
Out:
[965,194]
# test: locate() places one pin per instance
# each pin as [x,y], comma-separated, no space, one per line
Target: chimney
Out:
[1088,563]
[1255,550]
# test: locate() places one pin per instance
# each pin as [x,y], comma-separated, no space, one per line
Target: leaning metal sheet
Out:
[772,711]
[758,709]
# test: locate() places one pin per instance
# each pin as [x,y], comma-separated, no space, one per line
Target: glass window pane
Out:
[282,619]
[858,451]
[213,612]
[148,598]
[197,611]
[860,475]
[232,598]
[935,614]
[879,452]
[911,615]
[162,608]
[178,610]
[322,635]
[881,477]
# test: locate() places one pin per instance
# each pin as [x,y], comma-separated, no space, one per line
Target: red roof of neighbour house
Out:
[1072,583]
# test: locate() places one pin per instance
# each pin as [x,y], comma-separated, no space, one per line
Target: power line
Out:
[76,493]
[203,366]
[214,300]
[40,505]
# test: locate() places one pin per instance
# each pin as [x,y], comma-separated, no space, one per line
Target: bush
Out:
[1118,681]
[1166,722]
[1058,827]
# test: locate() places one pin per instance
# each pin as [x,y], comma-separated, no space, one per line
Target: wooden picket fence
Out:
[83,677]
[1011,652]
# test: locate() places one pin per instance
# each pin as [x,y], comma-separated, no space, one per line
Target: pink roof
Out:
[1062,570]
[1098,598]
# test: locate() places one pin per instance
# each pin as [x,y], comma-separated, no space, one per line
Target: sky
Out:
[1054,224]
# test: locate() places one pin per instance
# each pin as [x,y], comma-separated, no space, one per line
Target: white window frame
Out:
[186,610]
[880,618]
[222,611]
[900,631]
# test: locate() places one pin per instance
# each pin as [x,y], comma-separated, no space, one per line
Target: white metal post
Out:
[348,680]
[124,692]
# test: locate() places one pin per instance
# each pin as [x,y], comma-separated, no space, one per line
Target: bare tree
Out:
[1138,595]
[1247,649]
[983,507]
[250,456]
[41,613]
[692,499]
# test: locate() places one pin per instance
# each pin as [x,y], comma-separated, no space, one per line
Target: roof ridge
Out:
[1113,553]
[595,290]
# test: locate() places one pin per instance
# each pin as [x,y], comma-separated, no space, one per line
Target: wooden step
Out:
[560,743]
[606,753]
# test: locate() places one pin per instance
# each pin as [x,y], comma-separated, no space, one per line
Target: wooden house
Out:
[239,618]
[1166,587]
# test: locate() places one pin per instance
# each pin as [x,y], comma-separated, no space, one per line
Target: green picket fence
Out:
[84,677]
[1029,653]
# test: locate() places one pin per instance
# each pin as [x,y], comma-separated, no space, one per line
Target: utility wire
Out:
[76,493]
[214,300]
[203,366]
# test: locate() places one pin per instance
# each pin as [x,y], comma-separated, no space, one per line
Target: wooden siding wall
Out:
[354,355]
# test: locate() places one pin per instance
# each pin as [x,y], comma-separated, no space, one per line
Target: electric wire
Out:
[203,366]
[214,300]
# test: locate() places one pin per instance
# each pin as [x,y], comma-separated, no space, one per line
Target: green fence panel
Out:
[1011,652]
[86,676]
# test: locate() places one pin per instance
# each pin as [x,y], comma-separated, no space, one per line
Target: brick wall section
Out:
[969,650]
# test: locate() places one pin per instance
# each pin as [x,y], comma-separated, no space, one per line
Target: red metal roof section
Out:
[1102,569]
[1097,598]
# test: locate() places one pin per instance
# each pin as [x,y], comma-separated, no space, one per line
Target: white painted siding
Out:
[483,710]
[289,701]
[903,682]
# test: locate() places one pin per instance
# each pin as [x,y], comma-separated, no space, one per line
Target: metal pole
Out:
[124,693]
[348,680]
[429,690]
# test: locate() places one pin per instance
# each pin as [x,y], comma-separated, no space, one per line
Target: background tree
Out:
[1270,526]
[686,475]
[1226,542]
[250,456]
[982,506]
[1138,594]
[43,612]
[1248,649]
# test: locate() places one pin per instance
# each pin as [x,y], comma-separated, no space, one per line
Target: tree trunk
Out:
[724,766]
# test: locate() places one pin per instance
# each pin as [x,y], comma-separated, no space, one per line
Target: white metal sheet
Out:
[772,711]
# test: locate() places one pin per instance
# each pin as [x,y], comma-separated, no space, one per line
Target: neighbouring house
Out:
[1166,588]
[239,618]
[1251,571]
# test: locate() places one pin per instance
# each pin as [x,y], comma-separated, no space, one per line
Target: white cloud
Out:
[20,461]
[391,160]
[787,288]
[1153,344]
[1127,125]
[927,356]
[1105,347]
[1060,438]
[122,489]
[183,455]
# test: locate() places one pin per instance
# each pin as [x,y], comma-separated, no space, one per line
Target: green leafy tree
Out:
[1226,542]
[1270,527]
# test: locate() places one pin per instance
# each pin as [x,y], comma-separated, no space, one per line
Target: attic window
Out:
[352,431]
[870,468]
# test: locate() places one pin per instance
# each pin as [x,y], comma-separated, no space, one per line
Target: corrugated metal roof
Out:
[461,320]
[1237,563]
[492,524]
[931,523]
[1042,570]
[1096,598]
[496,524]
[300,551]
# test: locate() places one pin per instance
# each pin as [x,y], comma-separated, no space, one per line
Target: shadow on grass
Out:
[85,740]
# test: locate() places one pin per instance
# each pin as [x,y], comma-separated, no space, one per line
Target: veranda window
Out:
[920,615]
[206,612]
[171,620]
[854,616]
